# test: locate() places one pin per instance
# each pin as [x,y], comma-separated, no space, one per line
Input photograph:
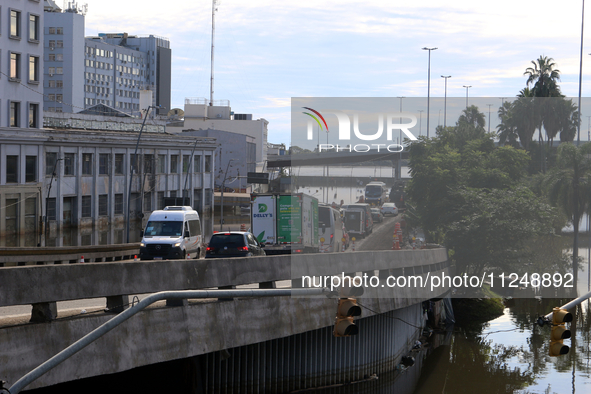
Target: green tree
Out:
[569,188]
[544,77]
[465,194]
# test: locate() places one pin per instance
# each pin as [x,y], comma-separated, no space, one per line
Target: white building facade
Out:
[85,201]
[21,63]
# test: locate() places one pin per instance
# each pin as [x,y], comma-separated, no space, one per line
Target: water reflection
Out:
[510,355]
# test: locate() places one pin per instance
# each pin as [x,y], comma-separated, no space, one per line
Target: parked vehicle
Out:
[376,193]
[376,215]
[285,223]
[172,233]
[233,244]
[358,220]
[389,208]
[330,229]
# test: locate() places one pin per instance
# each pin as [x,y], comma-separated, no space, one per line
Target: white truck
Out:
[285,223]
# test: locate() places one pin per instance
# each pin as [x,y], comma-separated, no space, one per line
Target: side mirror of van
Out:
[187,235]
[142,233]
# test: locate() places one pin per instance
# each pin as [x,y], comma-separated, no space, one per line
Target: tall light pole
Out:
[581,74]
[399,165]
[421,120]
[467,87]
[489,105]
[445,101]
[132,167]
[222,195]
[428,86]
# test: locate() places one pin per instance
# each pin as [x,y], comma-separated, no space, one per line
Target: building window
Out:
[149,164]
[86,206]
[70,164]
[15,23]
[51,209]
[15,65]
[148,202]
[33,27]
[59,44]
[59,70]
[33,114]
[186,163]
[51,44]
[174,164]
[50,162]
[51,71]
[30,168]
[197,163]
[207,163]
[119,204]
[12,220]
[11,169]
[52,30]
[51,57]
[60,30]
[103,205]
[15,111]
[162,164]
[104,164]
[119,164]
[160,201]
[33,69]
[59,98]
[87,164]
[59,57]
[59,84]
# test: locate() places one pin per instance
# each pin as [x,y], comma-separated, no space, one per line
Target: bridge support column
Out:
[43,312]
[117,304]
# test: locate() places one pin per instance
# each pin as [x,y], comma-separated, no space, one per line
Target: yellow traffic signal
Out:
[559,332]
[344,325]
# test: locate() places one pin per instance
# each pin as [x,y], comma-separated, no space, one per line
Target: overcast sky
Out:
[269,51]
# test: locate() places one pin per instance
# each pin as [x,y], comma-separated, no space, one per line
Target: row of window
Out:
[55,97]
[16,23]
[69,204]
[56,44]
[55,57]
[55,83]
[15,114]
[150,164]
[97,77]
[15,64]
[12,169]
[55,30]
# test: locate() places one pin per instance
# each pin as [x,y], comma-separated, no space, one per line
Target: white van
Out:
[330,229]
[172,233]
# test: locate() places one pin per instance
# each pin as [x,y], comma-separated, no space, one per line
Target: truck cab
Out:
[172,233]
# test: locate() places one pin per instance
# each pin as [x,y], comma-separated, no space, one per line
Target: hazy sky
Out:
[269,51]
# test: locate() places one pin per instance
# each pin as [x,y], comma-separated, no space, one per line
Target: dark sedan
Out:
[233,244]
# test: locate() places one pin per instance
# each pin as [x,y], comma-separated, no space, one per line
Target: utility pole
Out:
[213,10]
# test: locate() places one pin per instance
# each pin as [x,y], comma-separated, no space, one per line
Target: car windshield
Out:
[221,240]
[163,229]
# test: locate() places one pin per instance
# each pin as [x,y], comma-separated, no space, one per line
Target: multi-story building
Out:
[198,115]
[21,63]
[78,180]
[110,69]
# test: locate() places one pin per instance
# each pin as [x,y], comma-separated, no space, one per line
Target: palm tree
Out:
[569,187]
[544,77]
[507,129]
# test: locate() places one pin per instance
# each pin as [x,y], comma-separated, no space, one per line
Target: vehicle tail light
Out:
[243,248]
[209,248]
[331,235]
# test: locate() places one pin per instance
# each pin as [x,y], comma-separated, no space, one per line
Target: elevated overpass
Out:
[253,345]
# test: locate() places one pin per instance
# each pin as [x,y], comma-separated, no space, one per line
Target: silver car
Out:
[389,208]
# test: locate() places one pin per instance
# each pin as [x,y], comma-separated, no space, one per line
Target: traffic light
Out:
[348,308]
[559,332]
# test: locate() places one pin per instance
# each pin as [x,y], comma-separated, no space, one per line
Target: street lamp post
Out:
[132,167]
[445,101]
[421,120]
[489,105]
[399,166]
[222,195]
[47,199]
[428,86]
[467,87]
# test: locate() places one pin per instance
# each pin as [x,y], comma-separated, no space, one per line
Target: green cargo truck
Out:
[285,223]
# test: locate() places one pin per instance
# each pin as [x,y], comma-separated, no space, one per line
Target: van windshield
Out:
[163,229]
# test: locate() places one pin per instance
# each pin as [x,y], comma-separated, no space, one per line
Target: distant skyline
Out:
[267,52]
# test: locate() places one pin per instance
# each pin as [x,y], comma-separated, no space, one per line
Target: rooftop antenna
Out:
[214,4]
